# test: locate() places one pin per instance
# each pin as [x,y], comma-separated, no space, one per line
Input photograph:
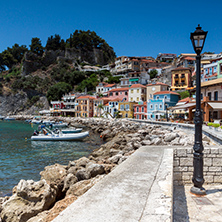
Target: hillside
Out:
[29,79]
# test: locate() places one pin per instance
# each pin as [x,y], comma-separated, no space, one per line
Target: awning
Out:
[185,106]
[217,106]
[132,80]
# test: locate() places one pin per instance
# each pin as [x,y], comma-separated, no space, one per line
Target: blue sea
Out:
[21,158]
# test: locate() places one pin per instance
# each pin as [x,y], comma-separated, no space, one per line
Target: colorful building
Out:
[140,110]
[126,109]
[84,106]
[137,92]
[99,106]
[156,108]
[120,93]
[181,78]
[155,87]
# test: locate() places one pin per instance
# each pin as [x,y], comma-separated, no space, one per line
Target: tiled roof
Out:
[157,83]
[110,85]
[86,97]
[189,58]
[166,92]
[119,89]
[188,99]
[137,86]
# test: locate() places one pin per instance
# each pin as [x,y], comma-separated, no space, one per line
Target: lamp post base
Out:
[198,191]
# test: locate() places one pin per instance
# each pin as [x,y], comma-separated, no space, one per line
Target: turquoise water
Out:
[21,158]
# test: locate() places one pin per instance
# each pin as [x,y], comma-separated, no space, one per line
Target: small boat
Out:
[9,118]
[59,124]
[2,117]
[59,137]
[36,120]
[71,130]
[48,122]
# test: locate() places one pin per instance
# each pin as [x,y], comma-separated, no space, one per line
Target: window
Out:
[137,109]
[165,97]
[142,109]
[210,70]
[126,115]
[209,95]
[157,97]
[156,106]
[160,106]
[127,107]
[215,69]
[116,93]
[142,116]
[137,98]
[131,99]
[206,71]
[131,90]
[216,95]
[121,107]
[151,95]
[137,116]
[137,90]
[151,106]
[126,93]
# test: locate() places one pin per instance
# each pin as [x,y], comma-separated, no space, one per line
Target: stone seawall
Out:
[183,165]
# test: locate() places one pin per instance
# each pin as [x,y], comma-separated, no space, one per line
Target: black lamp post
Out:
[198,38]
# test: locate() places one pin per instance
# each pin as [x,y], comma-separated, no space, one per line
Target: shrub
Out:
[216,125]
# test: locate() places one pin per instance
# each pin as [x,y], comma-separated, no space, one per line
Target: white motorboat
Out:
[48,135]
[9,118]
[71,130]
[59,125]
[48,122]
[36,120]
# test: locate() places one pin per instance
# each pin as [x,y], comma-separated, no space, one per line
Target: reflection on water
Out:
[22,158]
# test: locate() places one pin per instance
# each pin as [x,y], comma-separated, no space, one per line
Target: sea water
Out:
[21,158]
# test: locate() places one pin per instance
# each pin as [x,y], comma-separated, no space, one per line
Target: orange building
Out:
[85,106]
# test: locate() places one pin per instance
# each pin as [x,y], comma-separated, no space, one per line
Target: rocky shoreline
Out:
[61,185]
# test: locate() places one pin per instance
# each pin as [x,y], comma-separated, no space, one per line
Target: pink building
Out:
[140,110]
[120,93]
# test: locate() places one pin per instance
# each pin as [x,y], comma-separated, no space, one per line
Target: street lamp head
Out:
[198,38]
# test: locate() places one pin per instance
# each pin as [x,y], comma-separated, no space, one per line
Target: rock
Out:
[95,169]
[82,175]
[81,187]
[122,159]
[176,141]
[115,159]
[70,179]
[82,162]
[157,141]
[170,136]
[53,173]
[41,217]
[59,207]
[136,145]
[146,142]
[106,134]
[30,199]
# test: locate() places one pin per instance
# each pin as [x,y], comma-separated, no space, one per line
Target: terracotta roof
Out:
[181,68]
[86,97]
[110,85]
[166,92]
[188,99]
[137,86]
[116,99]
[119,89]
[189,58]
[157,83]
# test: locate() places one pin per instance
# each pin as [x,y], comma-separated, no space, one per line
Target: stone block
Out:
[186,161]
[217,161]
[214,169]
[180,169]
[181,152]
[190,169]
[211,156]
[177,176]
[220,150]
[209,179]
[207,161]
[217,179]
[206,150]
[190,151]
[176,162]
[214,151]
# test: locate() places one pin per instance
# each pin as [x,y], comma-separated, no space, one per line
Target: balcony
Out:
[182,76]
[176,77]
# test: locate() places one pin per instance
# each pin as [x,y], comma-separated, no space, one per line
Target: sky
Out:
[132,28]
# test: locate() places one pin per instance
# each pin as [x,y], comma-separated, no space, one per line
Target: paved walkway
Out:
[139,189]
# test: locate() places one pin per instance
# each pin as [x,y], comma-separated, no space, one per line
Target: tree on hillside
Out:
[153,73]
[36,46]
[55,43]
[18,52]
[87,40]
[56,91]
[184,94]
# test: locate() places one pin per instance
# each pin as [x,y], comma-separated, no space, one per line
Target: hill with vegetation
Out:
[29,76]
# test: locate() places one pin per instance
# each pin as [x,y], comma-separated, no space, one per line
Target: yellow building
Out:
[85,106]
[181,78]
[126,109]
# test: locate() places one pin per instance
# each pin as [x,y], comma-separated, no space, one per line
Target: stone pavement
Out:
[139,189]
[190,208]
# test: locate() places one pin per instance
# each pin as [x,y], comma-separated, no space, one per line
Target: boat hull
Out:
[67,131]
[58,137]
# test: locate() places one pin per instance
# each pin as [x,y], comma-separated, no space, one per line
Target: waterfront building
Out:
[155,87]
[181,78]
[140,110]
[126,109]
[84,106]
[120,93]
[137,92]
[156,107]
[111,108]
[99,106]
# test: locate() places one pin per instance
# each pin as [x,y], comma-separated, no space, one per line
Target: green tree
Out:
[56,91]
[153,73]
[55,43]
[89,83]
[36,46]
[114,79]
[184,94]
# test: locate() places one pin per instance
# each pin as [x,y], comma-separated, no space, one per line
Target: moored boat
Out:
[9,118]
[71,130]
